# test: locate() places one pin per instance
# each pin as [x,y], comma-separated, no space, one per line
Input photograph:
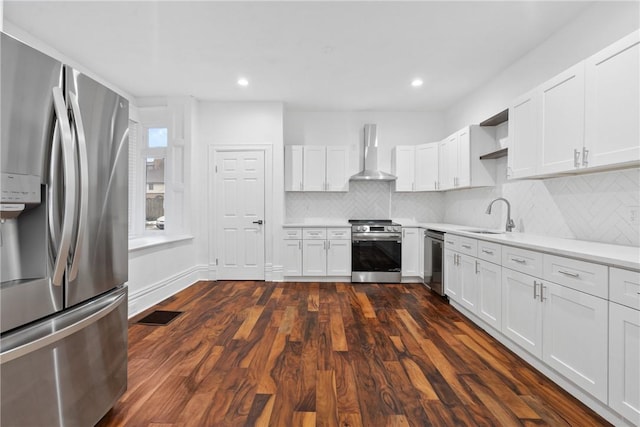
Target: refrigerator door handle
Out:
[74,322]
[69,186]
[84,184]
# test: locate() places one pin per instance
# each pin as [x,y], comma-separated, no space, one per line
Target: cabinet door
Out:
[426,168]
[521,311]
[612,133]
[411,251]
[314,168]
[574,331]
[450,275]
[463,176]
[403,167]
[490,293]
[524,131]
[339,258]
[562,120]
[624,361]
[337,169]
[467,267]
[448,152]
[314,258]
[293,168]
[292,264]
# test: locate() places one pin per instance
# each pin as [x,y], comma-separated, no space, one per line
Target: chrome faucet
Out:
[510,224]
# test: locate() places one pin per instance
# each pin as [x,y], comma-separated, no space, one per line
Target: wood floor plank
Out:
[280,354]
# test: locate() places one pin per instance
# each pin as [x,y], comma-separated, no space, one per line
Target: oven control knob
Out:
[395,229]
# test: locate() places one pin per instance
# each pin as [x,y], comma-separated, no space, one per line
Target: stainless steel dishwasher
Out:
[433,256]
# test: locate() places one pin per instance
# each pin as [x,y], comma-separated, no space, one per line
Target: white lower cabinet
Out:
[624,361]
[292,263]
[451,276]
[314,257]
[489,307]
[412,243]
[521,311]
[317,252]
[468,282]
[574,337]
[338,257]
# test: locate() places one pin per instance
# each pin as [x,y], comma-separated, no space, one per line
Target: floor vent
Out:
[159,318]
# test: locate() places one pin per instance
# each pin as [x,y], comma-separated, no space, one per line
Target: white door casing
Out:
[239,238]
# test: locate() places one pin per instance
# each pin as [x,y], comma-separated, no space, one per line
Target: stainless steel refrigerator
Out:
[63,242]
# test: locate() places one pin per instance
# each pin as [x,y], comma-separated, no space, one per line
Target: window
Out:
[155,158]
[158,143]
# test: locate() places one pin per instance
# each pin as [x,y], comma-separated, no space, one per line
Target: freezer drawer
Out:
[68,370]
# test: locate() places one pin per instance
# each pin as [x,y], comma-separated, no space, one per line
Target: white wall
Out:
[592,207]
[241,124]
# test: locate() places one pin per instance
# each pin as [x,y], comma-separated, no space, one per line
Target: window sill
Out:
[144,242]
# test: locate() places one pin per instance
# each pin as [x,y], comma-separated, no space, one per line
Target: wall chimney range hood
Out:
[371,171]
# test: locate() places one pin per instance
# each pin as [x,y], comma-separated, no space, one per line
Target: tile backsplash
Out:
[594,207]
[373,200]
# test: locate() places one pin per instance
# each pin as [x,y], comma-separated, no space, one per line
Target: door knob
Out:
[258,222]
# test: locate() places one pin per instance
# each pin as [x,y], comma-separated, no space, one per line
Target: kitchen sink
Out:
[485,231]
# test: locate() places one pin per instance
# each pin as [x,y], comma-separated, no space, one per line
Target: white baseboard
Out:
[152,294]
[341,279]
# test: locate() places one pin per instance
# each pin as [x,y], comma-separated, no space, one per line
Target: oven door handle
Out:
[395,240]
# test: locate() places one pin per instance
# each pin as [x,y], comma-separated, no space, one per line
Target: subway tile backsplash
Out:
[594,207]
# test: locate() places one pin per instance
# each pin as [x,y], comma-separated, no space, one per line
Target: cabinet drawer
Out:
[491,252]
[314,233]
[293,233]
[624,287]
[522,260]
[461,244]
[451,241]
[579,275]
[468,246]
[339,233]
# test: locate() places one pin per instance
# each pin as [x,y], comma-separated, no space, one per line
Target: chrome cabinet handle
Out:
[542,298]
[535,288]
[568,273]
[466,246]
[487,252]
[518,260]
[69,186]
[585,156]
[84,184]
[328,244]
[477,265]
[576,158]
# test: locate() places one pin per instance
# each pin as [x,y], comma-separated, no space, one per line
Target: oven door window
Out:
[376,256]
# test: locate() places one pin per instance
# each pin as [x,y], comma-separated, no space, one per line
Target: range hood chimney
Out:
[371,171]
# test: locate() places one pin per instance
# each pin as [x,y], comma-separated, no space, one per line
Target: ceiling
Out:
[321,56]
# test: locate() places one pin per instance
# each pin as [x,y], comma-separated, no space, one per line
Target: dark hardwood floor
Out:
[328,354]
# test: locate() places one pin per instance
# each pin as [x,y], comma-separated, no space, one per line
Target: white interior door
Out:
[239,232]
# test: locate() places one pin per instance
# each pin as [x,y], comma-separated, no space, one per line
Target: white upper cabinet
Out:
[403,166]
[426,167]
[460,164]
[612,134]
[313,170]
[524,131]
[562,120]
[416,167]
[585,117]
[316,168]
[293,168]
[337,169]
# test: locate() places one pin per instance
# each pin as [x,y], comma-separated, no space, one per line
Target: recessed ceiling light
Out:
[416,82]
[243,82]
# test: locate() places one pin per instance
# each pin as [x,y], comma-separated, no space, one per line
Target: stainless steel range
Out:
[376,251]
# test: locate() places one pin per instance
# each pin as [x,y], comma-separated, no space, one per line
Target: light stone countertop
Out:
[614,255]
